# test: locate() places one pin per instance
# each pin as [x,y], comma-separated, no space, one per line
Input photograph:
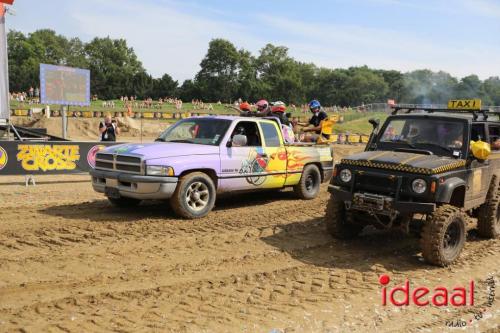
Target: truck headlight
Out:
[419,186]
[345,175]
[159,170]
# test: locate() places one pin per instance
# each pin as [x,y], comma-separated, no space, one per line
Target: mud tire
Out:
[443,236]
[488,223]
[190,186]
[309,184]
[339,222]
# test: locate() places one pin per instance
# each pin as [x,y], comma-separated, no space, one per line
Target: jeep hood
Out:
[162,149]
[404,162]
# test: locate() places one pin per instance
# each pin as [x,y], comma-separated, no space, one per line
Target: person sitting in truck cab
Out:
[315,123]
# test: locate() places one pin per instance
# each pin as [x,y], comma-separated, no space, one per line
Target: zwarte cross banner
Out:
[49,157]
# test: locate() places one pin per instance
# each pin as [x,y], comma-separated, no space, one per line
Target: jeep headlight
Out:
[419,186]
[159,170]
[345,175]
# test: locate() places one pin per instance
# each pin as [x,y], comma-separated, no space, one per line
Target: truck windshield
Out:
[203,131]
[440,136]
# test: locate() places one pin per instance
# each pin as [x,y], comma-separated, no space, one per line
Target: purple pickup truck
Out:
[199,157]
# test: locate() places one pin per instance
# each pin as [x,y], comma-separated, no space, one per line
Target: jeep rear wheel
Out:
[443,236]
[488,223]
[194,196]
[339,222]
[310,181]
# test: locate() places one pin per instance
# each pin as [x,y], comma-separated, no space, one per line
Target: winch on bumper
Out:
[116,184]
[379,204]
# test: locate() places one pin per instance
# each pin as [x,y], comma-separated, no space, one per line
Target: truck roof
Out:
[232,117]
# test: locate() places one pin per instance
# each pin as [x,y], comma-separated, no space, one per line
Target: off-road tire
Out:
[124,202]
[339,222]
[488,222]
[443,235]
[182,200]
[309,184]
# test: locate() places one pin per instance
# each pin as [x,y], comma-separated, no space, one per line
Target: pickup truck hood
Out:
[404,162]
[162,149]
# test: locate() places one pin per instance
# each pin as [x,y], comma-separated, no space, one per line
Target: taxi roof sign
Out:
[465,104]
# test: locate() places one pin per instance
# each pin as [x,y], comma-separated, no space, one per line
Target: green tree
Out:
[218,73]
[115,69]
[491,86]
[279,74]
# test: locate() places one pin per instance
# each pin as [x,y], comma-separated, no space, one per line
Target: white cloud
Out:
[171,38]
[165,39]
[486,8]
[341,45]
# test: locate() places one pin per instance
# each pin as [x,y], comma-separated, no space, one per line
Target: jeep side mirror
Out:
[375,123]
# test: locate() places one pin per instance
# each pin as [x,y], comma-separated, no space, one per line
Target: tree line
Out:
[228,73]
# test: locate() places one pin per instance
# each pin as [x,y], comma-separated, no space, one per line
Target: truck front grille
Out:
[123,163]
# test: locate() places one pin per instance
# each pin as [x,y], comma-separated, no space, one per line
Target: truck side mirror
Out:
[237,141]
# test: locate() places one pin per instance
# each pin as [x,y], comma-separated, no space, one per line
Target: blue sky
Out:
[461,37]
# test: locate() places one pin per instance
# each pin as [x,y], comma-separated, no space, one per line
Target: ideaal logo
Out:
[459,296]
[47,157]
[91,154]
[423,296]
[3,158]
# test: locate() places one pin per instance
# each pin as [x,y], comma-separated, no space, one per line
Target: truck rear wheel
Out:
[339,221]
[309,184]
[194,196]
[124,202]
[488,223]
[443,236]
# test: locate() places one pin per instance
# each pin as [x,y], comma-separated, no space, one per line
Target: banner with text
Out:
[49,157]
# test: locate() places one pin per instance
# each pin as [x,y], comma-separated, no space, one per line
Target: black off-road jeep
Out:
[418,173]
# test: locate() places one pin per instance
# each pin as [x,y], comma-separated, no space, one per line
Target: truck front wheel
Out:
[443,236]
[488,223]
[309,184]
[339,221]
[194,196]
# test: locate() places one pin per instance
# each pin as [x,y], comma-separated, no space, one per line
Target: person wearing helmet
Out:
[278,110]
[262,106]
[314,125]
[245,107]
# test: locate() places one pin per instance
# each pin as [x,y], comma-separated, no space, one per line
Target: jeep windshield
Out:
[445,137]
[204,131]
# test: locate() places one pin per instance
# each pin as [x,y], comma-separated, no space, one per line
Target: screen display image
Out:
[64,85]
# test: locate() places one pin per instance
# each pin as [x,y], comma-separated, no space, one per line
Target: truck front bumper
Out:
[385,203]
[133,186]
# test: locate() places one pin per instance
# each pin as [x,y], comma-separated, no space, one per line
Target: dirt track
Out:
[258,263]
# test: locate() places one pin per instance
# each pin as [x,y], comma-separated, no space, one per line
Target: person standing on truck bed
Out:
[316,122]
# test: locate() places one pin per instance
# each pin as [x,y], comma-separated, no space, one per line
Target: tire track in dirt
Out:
[256,263]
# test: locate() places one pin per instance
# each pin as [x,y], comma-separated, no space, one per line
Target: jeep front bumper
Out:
[379,204]
[133,186]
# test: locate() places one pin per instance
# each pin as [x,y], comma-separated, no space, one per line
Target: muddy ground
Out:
[69,262]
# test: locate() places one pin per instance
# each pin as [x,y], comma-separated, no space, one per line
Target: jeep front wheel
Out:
[488,223]
[339,222]
[194,196]
[443,236]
